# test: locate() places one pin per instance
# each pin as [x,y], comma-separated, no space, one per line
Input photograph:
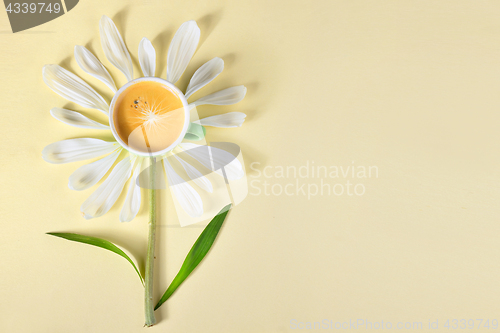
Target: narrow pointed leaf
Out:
[197,253]
[102,243]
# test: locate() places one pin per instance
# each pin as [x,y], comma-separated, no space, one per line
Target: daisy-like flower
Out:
[152,117]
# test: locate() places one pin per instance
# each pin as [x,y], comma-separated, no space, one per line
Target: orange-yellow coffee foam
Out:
[148,116]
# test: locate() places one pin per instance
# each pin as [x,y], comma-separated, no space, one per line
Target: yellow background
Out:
[412,87]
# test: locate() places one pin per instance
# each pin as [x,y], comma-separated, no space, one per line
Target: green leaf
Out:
[102,243]
[197,253]
[195,132]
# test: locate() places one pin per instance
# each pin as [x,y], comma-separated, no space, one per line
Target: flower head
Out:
[151,117]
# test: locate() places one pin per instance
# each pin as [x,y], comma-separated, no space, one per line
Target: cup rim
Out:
[169,85]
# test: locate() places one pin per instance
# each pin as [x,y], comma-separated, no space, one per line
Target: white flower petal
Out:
[88,175]
[133,201]
[226,120]
[182,49]
[147,57]
[186,195]
[73,150]
[114,47]
[196,175]
[204,75]
[224,97]
[91,65]
[68,85]
[215,159]
[76,119]
[101,201]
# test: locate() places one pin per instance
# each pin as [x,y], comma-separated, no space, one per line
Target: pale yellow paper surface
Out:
[412,87]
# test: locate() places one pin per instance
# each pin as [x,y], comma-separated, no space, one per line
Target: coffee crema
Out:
[148,116]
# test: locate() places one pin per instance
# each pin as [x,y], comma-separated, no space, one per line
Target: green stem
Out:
[149,305]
